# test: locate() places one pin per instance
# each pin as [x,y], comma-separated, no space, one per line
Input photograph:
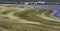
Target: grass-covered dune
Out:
[12,26]
[27,19]
[32,15]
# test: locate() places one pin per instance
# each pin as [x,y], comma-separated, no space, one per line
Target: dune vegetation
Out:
[27,19]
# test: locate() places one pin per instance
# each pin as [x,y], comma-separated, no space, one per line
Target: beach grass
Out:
[28,14]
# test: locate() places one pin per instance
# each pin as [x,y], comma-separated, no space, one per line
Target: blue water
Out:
[51,7]
[57,14]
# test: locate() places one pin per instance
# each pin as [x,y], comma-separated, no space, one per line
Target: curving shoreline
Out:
[56,8]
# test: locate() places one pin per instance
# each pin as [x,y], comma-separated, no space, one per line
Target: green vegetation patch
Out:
[31,15]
